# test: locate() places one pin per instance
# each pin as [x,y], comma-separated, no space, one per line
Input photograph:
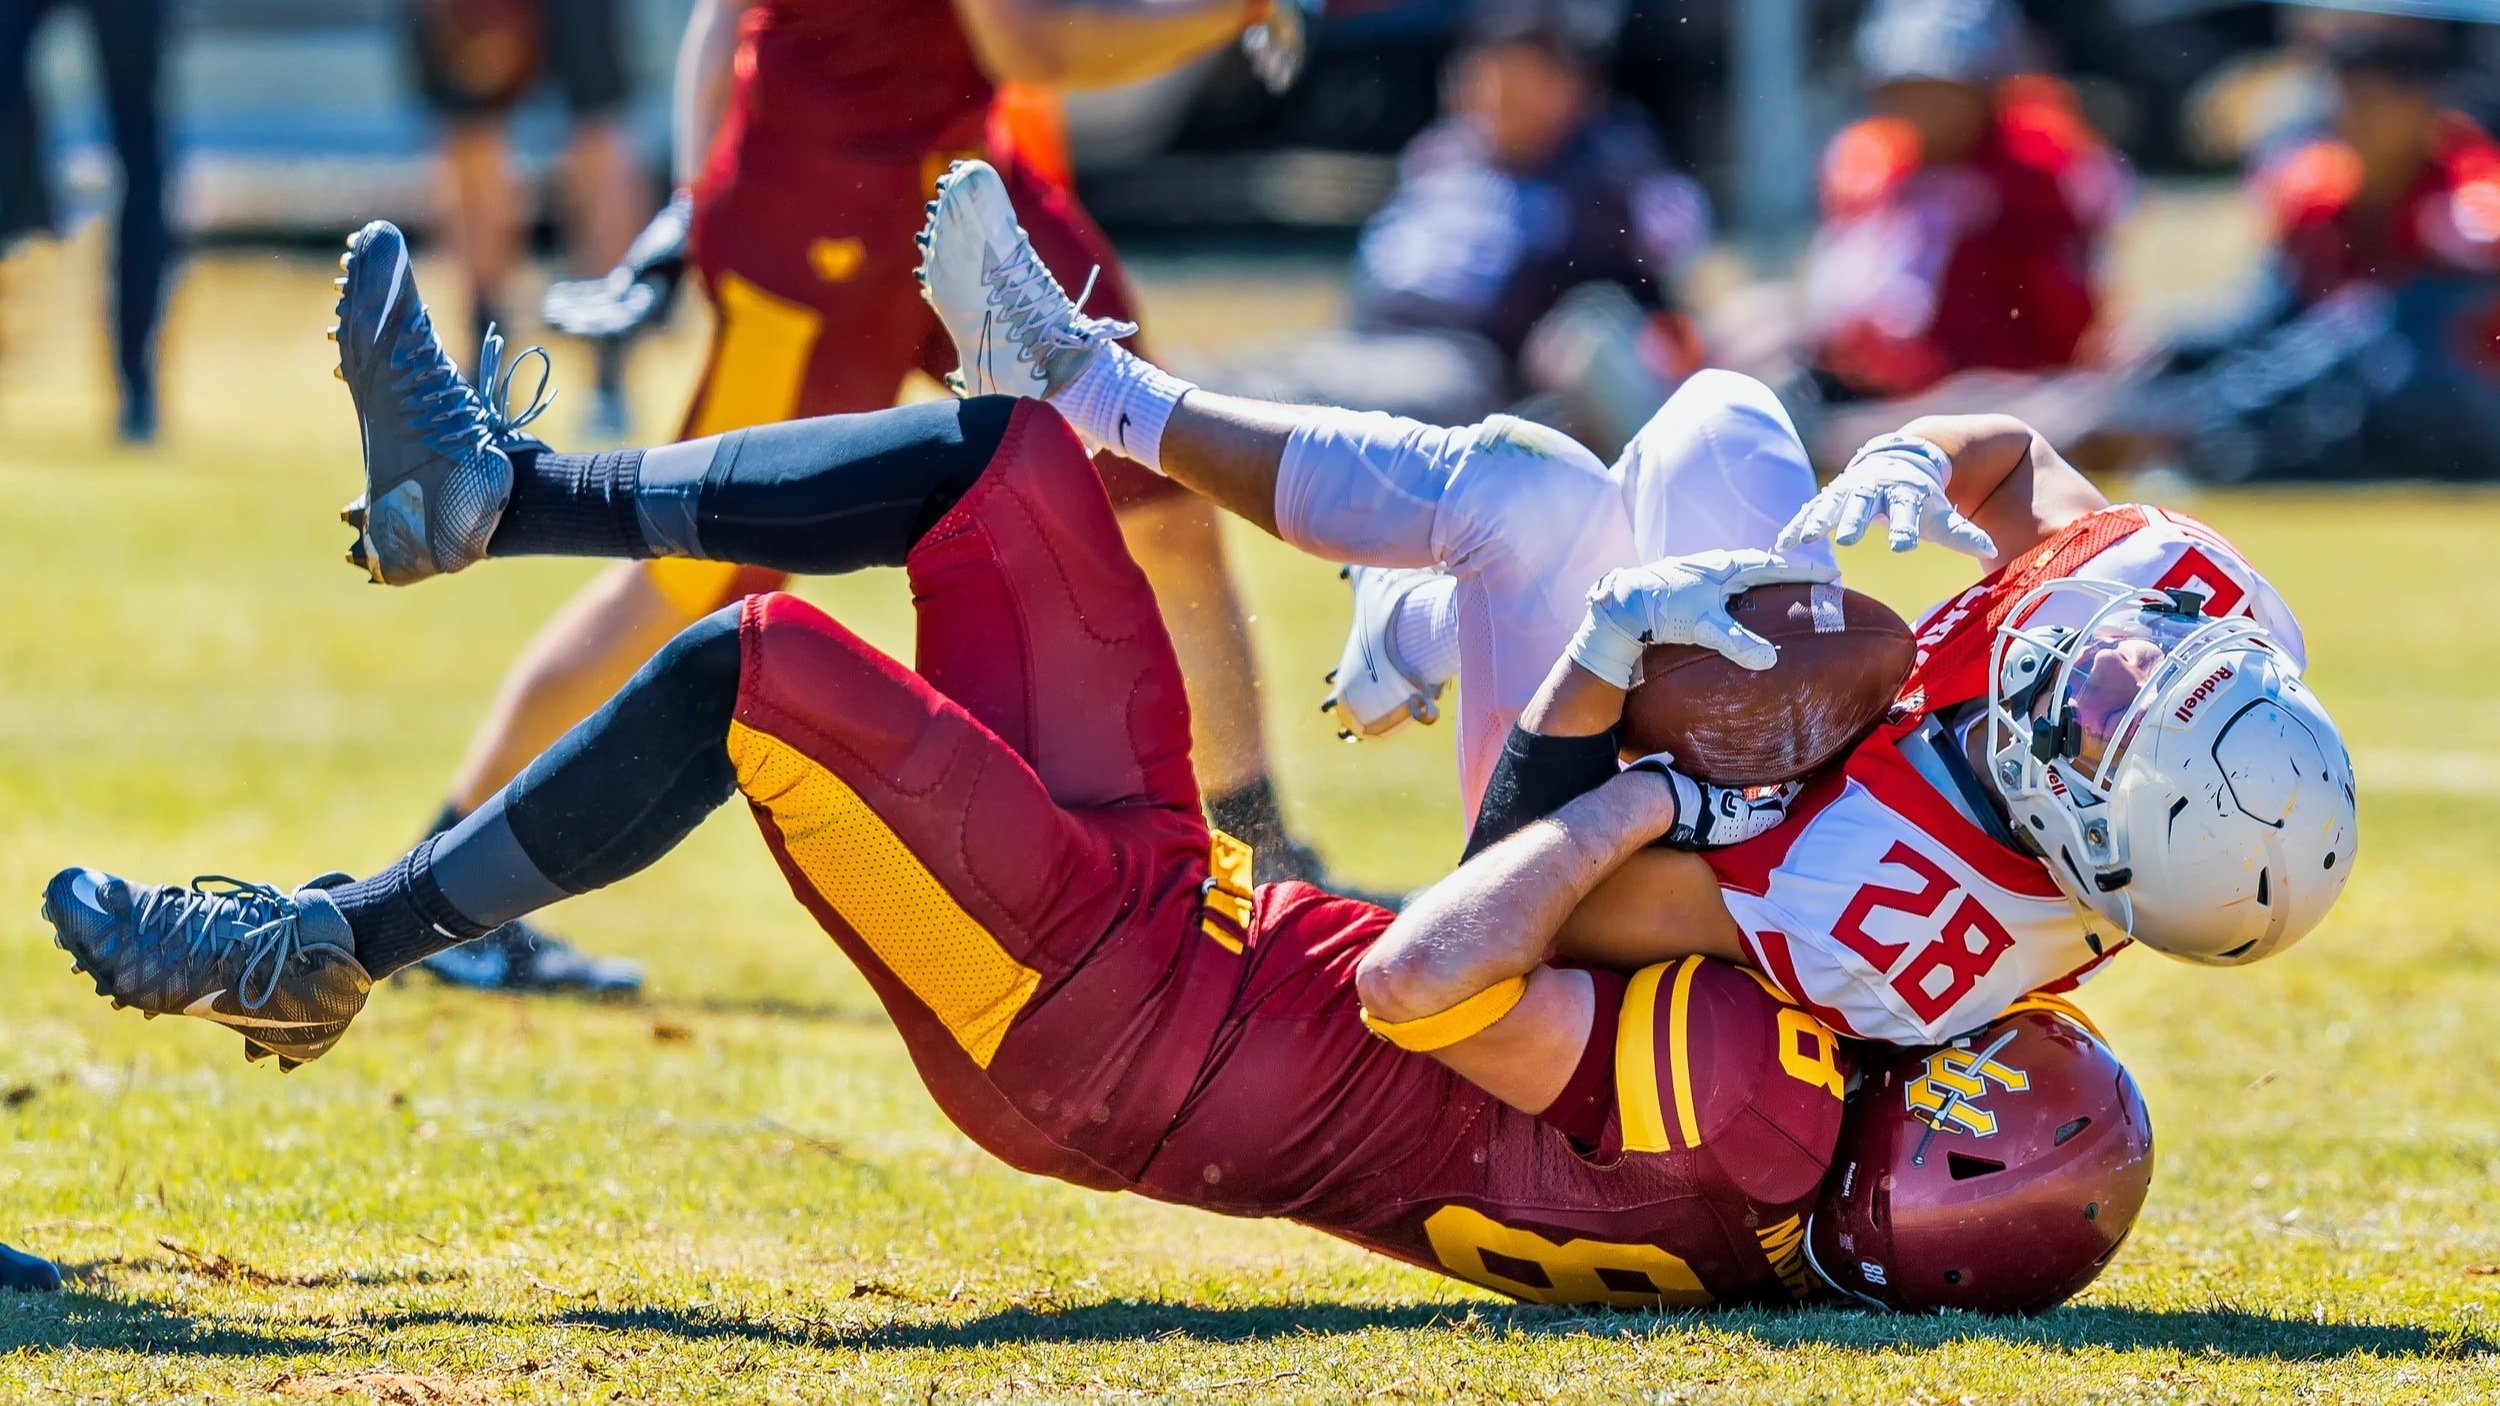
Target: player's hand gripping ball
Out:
[1841,662]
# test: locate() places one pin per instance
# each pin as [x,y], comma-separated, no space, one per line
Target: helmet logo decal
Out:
[1945,1095]
[2203,691]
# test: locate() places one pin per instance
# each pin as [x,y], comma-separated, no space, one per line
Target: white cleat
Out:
[1015,329]
[1372,696]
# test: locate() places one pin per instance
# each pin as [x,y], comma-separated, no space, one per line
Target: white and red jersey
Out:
[1882,908]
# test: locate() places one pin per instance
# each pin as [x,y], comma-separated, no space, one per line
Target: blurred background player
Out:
[475,60]
[1525,260]
[807,136]
[129,45]
[1963,219]
[2375,338]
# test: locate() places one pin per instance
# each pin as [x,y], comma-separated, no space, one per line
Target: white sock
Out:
[1121,402]
[1423,631]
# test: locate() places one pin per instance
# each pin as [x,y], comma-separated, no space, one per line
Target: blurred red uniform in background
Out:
[2446,220]
[1924,268]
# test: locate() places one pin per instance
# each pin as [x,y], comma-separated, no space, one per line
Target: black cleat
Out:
[438,470]
[280,968]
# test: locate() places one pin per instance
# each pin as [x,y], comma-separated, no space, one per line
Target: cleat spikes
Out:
[332,333]
[1328,704]
[340,283]
[150,1015]
[1344,736]
[1332,677]
[339,372]
[347,261]
[357,558]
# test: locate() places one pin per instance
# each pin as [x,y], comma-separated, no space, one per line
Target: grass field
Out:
[737,1190]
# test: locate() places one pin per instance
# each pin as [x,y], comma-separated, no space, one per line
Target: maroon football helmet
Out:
[1997,1174]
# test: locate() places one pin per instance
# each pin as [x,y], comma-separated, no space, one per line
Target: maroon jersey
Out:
[854,78]
[1719,1103]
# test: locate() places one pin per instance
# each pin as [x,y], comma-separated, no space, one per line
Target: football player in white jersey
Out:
[2107,738]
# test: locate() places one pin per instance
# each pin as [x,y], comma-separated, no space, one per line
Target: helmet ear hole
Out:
[1964,1167]
[2066,1132]
[2265,888]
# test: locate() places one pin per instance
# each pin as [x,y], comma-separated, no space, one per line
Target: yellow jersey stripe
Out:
[1223,939]
[868,876]
[1677,1007]
[1636,1066]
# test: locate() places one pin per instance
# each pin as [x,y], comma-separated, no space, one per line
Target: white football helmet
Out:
[2181,781]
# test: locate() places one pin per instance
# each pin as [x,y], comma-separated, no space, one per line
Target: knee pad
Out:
[1526,490]
[1720,466]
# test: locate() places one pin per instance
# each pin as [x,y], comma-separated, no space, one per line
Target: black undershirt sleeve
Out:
[1536,776]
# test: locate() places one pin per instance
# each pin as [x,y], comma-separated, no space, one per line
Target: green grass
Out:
[738,1190]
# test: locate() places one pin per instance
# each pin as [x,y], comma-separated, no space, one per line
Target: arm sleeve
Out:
[1536,776]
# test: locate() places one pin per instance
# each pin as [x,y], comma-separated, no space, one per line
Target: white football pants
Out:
[1525,521]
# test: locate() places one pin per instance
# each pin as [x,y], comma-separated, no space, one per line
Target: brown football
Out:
[1843,657]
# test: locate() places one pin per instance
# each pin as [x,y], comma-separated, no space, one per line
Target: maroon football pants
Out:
[1007,842]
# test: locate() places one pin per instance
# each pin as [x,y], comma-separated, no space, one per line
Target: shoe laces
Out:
[236,914]
[1037,312]
[445,410]
[501,423]
[451,415]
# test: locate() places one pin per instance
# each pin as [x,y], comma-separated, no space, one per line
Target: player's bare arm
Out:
[1099,43]
[1656,904]
[1483,934]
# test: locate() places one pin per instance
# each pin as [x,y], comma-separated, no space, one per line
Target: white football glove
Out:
[1901,477]
[1714,817]
[1681,600]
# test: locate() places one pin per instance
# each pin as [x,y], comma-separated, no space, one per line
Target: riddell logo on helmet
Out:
[2203,691]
